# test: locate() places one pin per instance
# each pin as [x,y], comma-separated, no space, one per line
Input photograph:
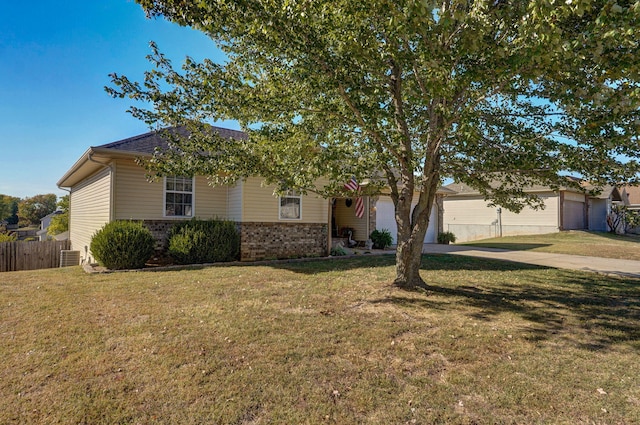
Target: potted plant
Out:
[381,238]
[446,237]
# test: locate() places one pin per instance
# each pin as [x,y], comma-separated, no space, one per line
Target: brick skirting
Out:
[160,231]
[260,241]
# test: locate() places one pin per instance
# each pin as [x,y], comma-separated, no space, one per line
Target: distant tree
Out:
[9,208]
[6,237]
[34,208]
[60,222]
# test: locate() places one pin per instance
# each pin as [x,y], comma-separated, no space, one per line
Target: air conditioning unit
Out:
[69,258]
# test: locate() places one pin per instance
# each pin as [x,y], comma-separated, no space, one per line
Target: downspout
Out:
[561,211]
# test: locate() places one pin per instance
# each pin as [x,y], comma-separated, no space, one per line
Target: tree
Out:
[622,219]
[497,94]
[9,208]
[60,222]
[34,208]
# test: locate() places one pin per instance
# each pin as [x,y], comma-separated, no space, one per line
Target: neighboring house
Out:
[599,206]
[44,225]
[469,217]
[106,184]
[631,196]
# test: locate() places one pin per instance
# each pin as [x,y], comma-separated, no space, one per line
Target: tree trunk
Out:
[412,228]
[408,262]
[411,233]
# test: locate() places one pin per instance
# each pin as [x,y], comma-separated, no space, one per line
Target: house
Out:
[469,217]
[599,206]
[106,183]
[44,225]
[631,196]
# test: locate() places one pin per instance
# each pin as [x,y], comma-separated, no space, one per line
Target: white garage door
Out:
[385,219]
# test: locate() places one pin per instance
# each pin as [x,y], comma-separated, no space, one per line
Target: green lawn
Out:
[320,342]
[595,244]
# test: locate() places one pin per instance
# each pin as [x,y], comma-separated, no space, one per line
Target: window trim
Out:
[290,194]
[192,193]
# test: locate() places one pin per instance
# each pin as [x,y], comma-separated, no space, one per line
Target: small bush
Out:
[338,251]
[5,237]
[122,245]
[204,241]
[446,237]
[381,238]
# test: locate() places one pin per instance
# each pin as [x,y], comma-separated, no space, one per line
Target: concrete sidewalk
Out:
[607,266]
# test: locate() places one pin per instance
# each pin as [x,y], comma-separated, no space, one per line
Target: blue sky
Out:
[55,57]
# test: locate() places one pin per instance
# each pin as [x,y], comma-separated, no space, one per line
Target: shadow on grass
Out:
[430,262]
[587,310]
[630,237]
[507,245]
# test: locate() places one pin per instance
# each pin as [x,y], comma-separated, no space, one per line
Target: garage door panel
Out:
[385,219]
[573,215]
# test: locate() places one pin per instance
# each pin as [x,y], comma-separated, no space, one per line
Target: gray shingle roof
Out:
[464,189]
[147,142]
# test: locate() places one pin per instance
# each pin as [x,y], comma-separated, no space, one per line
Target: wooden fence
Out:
[33,255]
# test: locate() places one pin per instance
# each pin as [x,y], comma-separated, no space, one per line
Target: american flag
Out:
[352,185]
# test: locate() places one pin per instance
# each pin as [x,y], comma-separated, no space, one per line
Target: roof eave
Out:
[87,164]
[63,182]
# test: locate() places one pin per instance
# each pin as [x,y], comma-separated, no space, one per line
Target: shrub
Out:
[446,237]
[122,245]
[5,237]
[338,251]
[381,238]
[204,241]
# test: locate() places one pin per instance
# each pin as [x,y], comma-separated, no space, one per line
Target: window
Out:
[178,197]
[290,206]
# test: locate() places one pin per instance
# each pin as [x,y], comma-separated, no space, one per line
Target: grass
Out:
[576,242]
[320,342]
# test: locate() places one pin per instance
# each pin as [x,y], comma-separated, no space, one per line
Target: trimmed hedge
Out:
[123,245]
[204,241]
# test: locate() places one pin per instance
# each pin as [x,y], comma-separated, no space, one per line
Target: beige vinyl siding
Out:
[346,217]
[234,202]
[137,198]
[475,211]
[469,218]
[210,201]
[259,204]
[90,209]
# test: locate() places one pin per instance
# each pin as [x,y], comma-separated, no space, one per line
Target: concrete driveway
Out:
[607,266]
